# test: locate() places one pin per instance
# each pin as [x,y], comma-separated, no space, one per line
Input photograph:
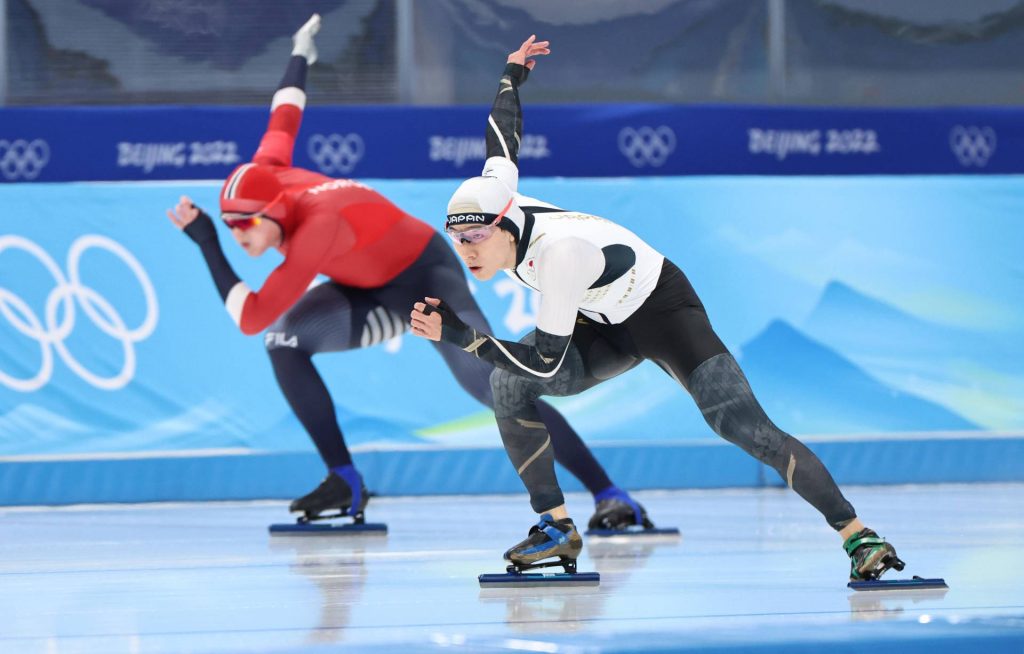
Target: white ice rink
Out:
[755,570]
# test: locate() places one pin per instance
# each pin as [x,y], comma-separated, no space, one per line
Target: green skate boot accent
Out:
[870,556]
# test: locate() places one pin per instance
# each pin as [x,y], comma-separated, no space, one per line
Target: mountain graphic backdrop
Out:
[808,388]
[977,374]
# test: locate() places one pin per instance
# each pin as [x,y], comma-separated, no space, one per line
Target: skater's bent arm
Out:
[254,311]
[568,268]
[199,227]
[435,320]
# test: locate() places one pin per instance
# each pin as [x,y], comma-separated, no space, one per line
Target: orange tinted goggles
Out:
[242,221]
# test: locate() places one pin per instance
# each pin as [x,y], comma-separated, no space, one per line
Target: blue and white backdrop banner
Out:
[856,305]
[153,143]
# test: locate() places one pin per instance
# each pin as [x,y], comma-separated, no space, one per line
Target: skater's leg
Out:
[588,361]
[328,318]
[721,391]
[321,321]
[672,329]
[526,439]
[572,452]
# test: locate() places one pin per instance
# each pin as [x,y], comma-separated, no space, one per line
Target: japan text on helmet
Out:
[481,200]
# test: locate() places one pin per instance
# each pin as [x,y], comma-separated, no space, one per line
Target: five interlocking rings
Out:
[336,153]
[973,146]
[68,293]
[647,146]
[21,159]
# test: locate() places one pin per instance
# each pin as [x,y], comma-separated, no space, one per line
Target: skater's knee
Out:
[511,393]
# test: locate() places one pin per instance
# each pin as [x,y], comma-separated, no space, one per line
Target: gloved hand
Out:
[189,218]
[453,330]
[201,230]
[303,39]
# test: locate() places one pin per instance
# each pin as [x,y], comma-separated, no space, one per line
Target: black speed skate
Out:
[333,498]
[332,495]
[870,556]
[548,539]
[617,514]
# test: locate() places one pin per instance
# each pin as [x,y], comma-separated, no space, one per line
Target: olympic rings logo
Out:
[68,293]
[336,153]
[647,146]
[23,159]
[973,146]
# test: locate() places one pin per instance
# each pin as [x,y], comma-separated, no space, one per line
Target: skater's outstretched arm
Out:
[254,311]
[505,122]
[199,227]
[289,101]
[573,264]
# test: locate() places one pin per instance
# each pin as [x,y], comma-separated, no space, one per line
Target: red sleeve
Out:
[278,142]
[286,108]
[311,245]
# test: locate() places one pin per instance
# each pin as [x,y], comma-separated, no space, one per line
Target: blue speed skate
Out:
[548,539]
[341,494]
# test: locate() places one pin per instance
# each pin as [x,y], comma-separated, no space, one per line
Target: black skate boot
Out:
[548,538]
[334,494]
[618,514]
[870,556]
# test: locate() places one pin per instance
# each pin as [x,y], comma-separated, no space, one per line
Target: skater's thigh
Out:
[679,341]
[602,352]
[331,317]
[590,359]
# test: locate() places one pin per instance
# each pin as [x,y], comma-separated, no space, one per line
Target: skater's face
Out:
[255,233]
[484,257]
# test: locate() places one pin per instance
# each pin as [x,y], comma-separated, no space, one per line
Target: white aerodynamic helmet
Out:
[488,199]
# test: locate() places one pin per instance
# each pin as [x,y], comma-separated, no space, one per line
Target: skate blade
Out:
[916,583]
[315,529]
[633,532]
[537,580]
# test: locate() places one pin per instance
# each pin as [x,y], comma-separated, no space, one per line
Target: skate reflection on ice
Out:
[565,609]
[621,554]
[890,604]
[569,609]
[337,567]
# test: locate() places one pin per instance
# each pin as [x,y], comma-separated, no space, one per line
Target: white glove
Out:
[303,39]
